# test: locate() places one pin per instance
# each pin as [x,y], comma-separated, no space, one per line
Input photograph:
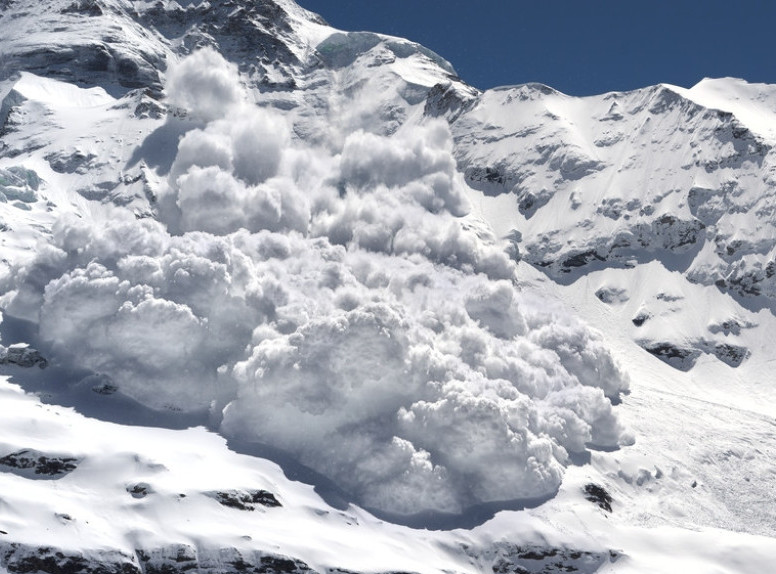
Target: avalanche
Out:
[311,317]
[531,321]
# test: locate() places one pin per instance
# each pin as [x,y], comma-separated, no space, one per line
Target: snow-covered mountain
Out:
[246,254]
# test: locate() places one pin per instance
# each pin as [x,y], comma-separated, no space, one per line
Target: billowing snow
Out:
[315,317]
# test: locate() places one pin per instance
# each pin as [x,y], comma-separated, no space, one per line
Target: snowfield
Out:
[282,298]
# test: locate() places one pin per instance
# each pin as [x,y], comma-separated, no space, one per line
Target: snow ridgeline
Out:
[334,304]
[682,176]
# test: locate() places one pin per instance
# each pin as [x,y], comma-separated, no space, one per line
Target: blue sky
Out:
[579,47]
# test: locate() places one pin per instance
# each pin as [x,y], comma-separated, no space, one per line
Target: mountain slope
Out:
[230,216]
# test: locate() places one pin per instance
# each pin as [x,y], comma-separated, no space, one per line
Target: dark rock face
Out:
[449,101]
[529,559]
[93,63]
[279,564]
[18,559]
[732,355]
[579,260]
[245,500]
[611,295]
[684,357]
[77,162]
[641,318]
[488,174]
[504,558]
[22,357]
[182,558]
[177,559]
[598,495]
[681,358]
[675,234]
[39,463]
[255,35]
[84,7]
[140,490]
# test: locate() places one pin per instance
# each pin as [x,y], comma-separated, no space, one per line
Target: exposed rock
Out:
[681,358]
[490,179]
[280,564]
[579,260]
[530,202]
[245,500]
[38,463]
[181,558]
[105,388]
[74,162]
[531,559]
[598,495]
[671,233]
[175,559]
[140,490]
[732,355]
[84,8]
[20,559]
[732,326]
[641,318]
[449,100]
[22,356]
[612,295]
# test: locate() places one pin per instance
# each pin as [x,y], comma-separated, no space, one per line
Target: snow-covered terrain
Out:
[282,298]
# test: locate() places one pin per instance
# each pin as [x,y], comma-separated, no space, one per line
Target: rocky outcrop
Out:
[245,499]
[449,100]
[30,462]
[503,558]
[508,558]
[22,356]
[597,494]
[23,559]
[680,357]
[684,356]
[175,559]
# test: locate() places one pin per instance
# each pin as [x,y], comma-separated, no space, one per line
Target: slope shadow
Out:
[91,395]
[160,147]
[337,498]
[754,303]
[88,393]
[623,259]
[327,489]
[470,518]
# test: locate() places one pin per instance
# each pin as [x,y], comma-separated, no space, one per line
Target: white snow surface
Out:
[315,258]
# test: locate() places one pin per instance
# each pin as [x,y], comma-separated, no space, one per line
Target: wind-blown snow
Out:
[335,303]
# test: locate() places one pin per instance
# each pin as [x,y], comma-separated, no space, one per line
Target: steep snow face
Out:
[127,44]
[289,56]
[681,176]
[82,41]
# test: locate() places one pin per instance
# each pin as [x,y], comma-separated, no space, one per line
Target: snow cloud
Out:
[205,85]
[334,304]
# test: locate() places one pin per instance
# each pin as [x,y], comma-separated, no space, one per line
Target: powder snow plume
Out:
[330,302]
